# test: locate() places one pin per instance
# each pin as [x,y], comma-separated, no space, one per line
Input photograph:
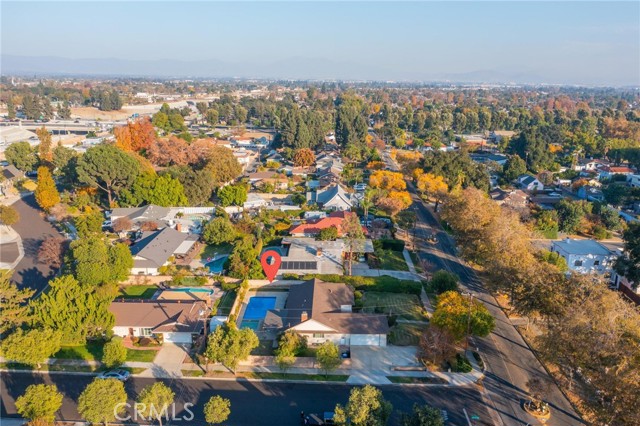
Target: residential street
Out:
[510,363]
[254,403]
[33,229]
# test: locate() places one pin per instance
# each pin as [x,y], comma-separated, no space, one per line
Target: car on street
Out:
[122,375]
[432,239]
[360,186]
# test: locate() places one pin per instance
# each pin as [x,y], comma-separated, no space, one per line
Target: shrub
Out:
[444,281]
[389,244]
[114,353]
[460,364]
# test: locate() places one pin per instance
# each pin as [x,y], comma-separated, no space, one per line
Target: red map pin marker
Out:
[270,261]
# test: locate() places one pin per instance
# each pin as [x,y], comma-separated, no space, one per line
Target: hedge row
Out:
[383,283]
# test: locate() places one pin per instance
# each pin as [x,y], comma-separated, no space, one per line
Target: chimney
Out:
[319,251]
[304,316]
[179,227]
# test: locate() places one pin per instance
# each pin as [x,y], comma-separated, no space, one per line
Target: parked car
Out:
[360,187]
[432,239]
[107,223]
[122,375]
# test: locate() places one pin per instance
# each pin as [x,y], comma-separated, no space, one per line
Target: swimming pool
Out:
[217,265]
[252,324]
[257,307]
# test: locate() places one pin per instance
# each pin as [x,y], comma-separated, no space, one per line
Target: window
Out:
[318,335]
[146,331]
[577,263]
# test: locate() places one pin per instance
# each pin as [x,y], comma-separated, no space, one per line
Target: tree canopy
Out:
[102,401]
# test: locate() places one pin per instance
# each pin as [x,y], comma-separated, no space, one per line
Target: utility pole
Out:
[469,317]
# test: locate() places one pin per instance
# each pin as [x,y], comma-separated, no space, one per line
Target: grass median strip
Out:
[268,376]
[417,380]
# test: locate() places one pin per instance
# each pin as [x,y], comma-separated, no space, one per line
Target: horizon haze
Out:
[569,43]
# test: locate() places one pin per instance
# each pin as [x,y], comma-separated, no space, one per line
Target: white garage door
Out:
[367,340]
[177,337]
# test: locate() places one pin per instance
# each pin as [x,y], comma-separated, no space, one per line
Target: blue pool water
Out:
[252,324]
[217,265]
[258,307]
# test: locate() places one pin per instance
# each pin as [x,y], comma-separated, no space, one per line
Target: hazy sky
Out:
[582,42]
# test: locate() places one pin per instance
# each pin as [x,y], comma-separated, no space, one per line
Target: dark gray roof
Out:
[322,301]
[11,172]
[158,246]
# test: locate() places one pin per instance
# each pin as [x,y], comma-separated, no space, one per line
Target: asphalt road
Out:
[254,403]
[510,363]
[33,229]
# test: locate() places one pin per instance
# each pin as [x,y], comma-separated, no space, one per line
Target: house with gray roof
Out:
[154,249]
[585,256]
[10,175]
[530,183]
[322,311]
[333,197]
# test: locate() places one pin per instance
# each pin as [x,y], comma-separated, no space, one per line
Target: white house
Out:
[254,201]
[530,183]
[175,321]
[322,311]
[633,180]
[585,256]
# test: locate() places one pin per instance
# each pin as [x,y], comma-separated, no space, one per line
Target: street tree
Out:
[39,404]
[423,415]
[461,316]
[217,410]
[290,345]
[9,216]
[31,347]
[46,193]
[436,346]
[230,345]
[102,401]
[114,353]
[51,251]
[353,236]
[328,357]
[442,281]
[154,401]
[108,168]
[366,407]
[13,304]
[433,186]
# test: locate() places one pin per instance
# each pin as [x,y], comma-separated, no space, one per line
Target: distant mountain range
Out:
[292,68]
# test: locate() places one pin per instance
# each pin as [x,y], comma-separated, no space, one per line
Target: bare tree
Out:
[122,224]
[436,345]
[149,225]
[51,252]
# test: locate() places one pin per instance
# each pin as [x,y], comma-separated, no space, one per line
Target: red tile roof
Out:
[314,227]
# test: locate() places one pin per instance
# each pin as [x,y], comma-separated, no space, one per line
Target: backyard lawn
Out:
[406,306]
[226,303]
[137,291]
[405,334]
[211,250]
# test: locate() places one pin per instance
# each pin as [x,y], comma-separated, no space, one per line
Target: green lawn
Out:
[421,380]
[192,373]
[141,355]
[226,303]
[391,260]
[407,306]
[91,351]
[292,376]
[211,250]
[403,334]
[137,291]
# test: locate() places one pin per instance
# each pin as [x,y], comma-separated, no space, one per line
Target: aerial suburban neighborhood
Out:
[297,241]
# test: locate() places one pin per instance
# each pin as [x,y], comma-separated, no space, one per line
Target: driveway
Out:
[168,362]
[33,229]
[371,364]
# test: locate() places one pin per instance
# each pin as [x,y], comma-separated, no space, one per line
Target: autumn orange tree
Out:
[304,157]
[376,165]
[136,136]
[392,195]
[431,185]
[46,194]
[44,149]
[387,180]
